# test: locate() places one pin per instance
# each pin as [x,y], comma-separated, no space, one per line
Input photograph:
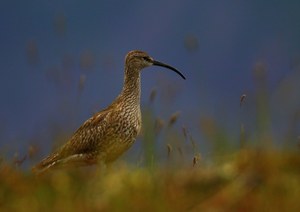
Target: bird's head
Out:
[137,60]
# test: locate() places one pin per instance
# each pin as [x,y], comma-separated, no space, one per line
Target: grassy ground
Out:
[247,180]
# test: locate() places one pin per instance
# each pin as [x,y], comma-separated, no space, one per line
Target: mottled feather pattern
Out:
[104,136]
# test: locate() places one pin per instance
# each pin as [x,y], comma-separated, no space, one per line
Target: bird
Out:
[111,132]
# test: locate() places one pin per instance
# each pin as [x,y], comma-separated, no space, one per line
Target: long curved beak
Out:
[157,63]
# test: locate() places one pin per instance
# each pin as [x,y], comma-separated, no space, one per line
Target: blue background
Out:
[46,47]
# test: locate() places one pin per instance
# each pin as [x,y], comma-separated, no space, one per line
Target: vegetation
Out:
[247,180]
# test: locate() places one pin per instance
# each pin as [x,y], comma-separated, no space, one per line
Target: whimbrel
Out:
[112,131]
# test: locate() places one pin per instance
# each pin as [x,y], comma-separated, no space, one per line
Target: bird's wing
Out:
[84,141]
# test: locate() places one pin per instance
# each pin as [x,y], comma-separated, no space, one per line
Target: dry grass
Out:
[248,180]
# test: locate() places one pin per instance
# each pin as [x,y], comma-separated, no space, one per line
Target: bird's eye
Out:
[146,58]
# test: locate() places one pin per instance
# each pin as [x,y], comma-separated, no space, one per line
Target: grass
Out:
[247,180]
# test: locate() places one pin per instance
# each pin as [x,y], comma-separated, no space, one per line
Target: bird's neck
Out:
[132,87]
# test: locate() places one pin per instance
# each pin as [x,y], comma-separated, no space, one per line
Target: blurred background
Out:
[61,61]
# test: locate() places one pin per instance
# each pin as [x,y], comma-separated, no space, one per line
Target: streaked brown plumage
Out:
[112,131]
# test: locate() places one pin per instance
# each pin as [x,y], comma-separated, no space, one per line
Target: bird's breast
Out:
[127,124]
[122,133]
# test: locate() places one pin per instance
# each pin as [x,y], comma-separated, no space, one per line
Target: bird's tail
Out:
[56,160]
[46,164]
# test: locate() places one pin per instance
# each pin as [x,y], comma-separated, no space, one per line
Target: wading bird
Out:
[112,131]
